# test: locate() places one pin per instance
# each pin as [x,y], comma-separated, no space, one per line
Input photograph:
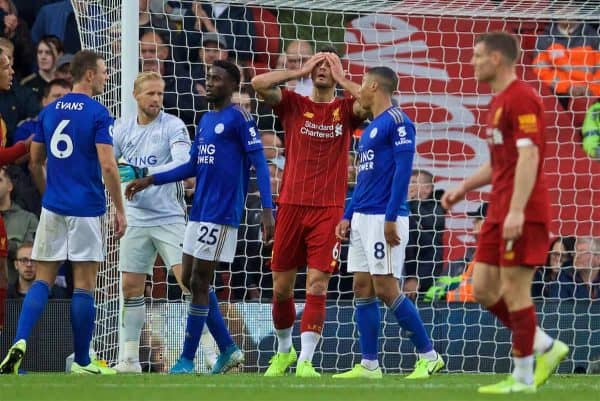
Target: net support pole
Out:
[129,55]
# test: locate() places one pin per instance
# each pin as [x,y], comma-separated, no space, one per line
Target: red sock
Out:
[500,309]
[284,313]
[2,299]
[523,324]
[313,316]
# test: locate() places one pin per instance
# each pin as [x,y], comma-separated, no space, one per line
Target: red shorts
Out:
[305,236]
[3,240]
[530,249]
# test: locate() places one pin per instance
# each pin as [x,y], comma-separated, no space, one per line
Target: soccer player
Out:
[227,142]
[378,214]
[74,134]
[150,142]
[7,156]
[514,237]
[318,130]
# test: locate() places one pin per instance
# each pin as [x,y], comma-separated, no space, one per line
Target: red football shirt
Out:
[317,142]
[516,118]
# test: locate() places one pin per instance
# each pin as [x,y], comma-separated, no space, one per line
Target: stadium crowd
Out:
[179,40]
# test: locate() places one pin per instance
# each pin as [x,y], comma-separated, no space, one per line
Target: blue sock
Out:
[195,323]
[216,324]
[408,318]
[83,315]
[368,320]
[33,306]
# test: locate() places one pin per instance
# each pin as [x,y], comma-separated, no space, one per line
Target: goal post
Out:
[429,45]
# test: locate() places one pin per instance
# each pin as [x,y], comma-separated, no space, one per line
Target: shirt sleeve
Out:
[248,132]
[527,121]
[348,108]
[104,127]
[402,137]
[178,132]
[38,130]
[287,100]
[117,138]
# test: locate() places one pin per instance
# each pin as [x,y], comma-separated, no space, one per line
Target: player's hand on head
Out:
[268,225]
[342,229]
[136,186]
[312,63]
[120,224]
[452,197]
[335,64]
[513,225]
[390,233]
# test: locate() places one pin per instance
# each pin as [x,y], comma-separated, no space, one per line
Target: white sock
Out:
[370,364]
[429,355]
[208,347]
[284,339]
[134,315]
[308,341]
[542,342]
[523,369]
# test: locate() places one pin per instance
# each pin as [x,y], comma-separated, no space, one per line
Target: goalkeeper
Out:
[591,131]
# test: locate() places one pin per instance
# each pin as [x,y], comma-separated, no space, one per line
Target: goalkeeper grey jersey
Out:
[161,145]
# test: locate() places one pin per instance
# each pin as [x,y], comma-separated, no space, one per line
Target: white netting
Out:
[429,44]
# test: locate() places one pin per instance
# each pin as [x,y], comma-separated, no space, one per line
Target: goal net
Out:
[429,44]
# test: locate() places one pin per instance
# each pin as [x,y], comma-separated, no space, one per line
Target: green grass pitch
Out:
[251,387]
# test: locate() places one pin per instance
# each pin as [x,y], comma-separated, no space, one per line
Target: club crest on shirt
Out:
[308,114]
[336,115]
[219,128]
[373,133]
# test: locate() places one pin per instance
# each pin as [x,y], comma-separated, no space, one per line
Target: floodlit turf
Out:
[251,387]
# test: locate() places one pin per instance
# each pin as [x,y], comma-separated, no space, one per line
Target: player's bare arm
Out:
[138,185]
[36,165]
[112,180]
[525,177]
[390,233]
[339,75]
[483,176]
[342,229]
[266,87]
[268,225]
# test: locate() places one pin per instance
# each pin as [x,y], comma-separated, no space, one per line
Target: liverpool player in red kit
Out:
[514,238]
[7,156]
[318,130]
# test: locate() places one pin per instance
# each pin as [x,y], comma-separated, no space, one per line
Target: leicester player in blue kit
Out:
[74,135]
[227,142]
[377,218]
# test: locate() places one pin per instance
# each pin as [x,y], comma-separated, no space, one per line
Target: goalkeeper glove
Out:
[127,172]
[590,144]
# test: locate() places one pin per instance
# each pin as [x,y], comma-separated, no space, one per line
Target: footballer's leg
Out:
[83,315]
[133,318]
[368,321]
[33,306]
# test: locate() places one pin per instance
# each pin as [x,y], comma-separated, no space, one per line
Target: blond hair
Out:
[143,77]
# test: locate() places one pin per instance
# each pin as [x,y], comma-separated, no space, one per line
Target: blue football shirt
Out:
[223,139]
[387,144]
[70,127]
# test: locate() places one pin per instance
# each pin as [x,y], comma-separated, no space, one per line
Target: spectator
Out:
[148,19]
[296,54]
[276,166]
[235,23]
[17,103]
[16,30]
[63,68]
[214,47]
[591,131]
[58,19]
[582,279]
[20,224]
[49,49]
[26,275]
[456,267]
[424,252]
[545,279]
[180,98]
[243,100]
[272,145]
[568,60]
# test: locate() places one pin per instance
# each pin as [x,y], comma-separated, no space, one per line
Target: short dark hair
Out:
[63,83]
[502,42]
[328,49]
[386,77]
[231,68]
[83,61]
